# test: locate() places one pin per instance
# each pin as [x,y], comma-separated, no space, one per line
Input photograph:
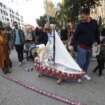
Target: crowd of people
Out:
[78,39]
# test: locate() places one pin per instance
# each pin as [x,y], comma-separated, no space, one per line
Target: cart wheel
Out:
[59,81]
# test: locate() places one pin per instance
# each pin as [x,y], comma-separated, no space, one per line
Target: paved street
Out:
[87,92]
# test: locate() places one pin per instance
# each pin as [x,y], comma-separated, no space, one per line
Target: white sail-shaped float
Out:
[62,66]
[63,57]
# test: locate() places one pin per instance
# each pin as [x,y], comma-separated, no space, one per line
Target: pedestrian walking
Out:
[71,33]
[85,35]
[100,58]
[9,38]
[43,36]
[64,36]
[18,41]
[28,42]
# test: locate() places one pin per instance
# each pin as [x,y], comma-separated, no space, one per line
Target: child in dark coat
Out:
[101,58]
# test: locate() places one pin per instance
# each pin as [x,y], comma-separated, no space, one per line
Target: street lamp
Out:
[48,21]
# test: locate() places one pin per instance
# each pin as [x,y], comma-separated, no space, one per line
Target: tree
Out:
[42,20]
[8,28]
[60,15]
[71,8]
[50,8]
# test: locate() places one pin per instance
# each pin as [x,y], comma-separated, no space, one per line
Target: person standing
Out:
[29,40]
[85,34]
[8,37]
[43,36]
[100,58]
[4,52]
[28,36]
[64,36]
[18,40]
[71,33]
[72,29]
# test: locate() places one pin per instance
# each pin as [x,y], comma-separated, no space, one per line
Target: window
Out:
[0,4]
[7,19]
[1,11]
[6,14]
[4,6]
[10,10]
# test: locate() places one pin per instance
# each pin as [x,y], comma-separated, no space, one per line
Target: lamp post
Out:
[47,13]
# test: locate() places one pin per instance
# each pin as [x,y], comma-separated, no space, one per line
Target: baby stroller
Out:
[26,50]
[31,51]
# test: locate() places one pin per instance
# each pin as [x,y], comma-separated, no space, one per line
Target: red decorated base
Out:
[56,73]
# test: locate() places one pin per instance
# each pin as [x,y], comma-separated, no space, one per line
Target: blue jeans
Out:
[83,58]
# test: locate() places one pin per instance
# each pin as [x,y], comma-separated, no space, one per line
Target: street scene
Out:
[52,52]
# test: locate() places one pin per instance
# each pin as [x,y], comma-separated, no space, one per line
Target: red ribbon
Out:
[43,92]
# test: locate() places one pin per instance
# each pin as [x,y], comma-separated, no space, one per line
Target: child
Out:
[101,58]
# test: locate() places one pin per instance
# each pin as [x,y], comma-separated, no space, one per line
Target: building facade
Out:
[8,16]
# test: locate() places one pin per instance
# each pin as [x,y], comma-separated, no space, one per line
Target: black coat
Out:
[64,34]
[43,38]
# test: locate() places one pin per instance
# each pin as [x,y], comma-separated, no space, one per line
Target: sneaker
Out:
[87,77]
[20,63]
[79,80]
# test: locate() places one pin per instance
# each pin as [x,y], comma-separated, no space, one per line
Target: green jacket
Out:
[21,35]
